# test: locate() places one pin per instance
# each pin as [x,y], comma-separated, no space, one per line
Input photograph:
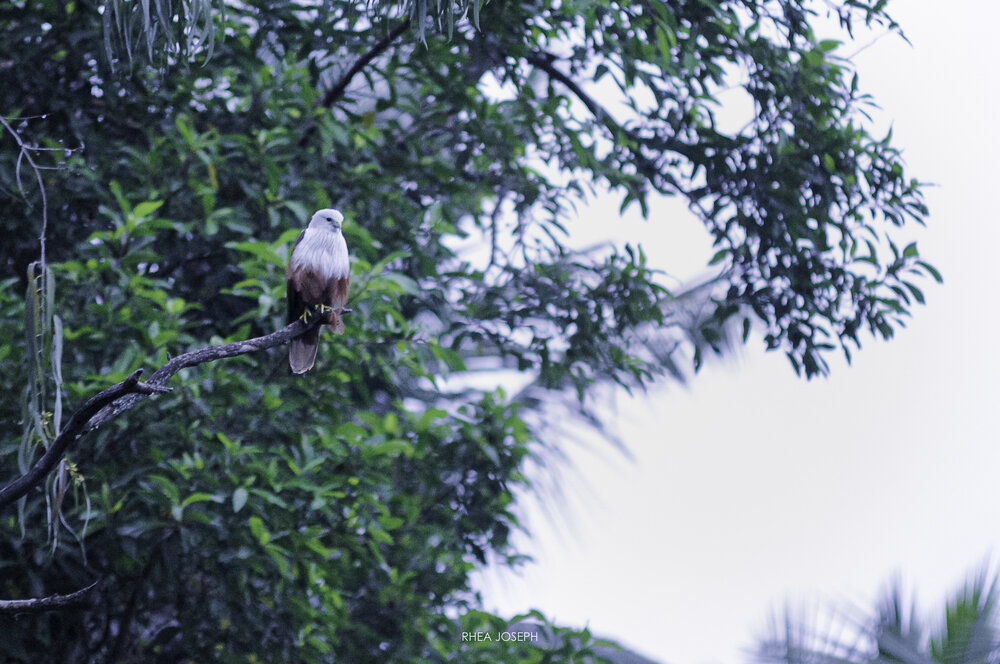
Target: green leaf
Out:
[146,208]
[720,256]
[168,488]
[287,237]
[429,416]
[280,557]
[395,447]
[231,446]
[390,522]
[259,531]
[918,294]
[405,283]
[261,250]
[240,496]
[199,497]
[664,43]
[931,270]
[351,431]
[393,256]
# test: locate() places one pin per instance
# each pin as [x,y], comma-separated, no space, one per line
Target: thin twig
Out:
[494,226]
[26,154]
[38,604]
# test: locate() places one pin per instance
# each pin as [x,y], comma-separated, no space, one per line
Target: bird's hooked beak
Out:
[336,219]
[332,218]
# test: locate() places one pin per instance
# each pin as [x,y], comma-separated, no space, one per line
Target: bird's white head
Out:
[327,219]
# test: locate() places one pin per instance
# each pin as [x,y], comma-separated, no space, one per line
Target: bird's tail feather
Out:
[302,353]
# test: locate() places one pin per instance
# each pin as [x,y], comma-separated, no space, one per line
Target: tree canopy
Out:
[158,159]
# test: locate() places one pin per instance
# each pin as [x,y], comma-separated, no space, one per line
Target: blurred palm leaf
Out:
[968,634]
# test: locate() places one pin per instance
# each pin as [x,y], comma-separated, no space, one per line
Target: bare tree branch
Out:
[203,355]
[337,91]
[38,604]
[110,403]
[546,62]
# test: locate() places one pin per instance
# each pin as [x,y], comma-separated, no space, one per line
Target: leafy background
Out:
[342,513]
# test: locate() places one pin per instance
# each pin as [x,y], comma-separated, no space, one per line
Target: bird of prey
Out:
[319,272]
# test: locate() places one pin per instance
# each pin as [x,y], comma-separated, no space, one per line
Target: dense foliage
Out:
[336,516]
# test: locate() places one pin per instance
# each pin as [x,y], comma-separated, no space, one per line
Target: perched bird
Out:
[319,272]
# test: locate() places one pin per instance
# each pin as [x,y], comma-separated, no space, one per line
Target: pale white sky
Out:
[752,487]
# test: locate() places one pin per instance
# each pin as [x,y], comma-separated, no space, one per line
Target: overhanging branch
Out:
[110,403]
[203,355]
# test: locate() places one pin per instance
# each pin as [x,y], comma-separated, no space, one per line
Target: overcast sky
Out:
[752,487]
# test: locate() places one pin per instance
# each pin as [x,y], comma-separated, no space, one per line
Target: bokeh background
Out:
[751,488]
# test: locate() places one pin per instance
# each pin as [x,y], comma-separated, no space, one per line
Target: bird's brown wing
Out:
[306,289]
[296,307]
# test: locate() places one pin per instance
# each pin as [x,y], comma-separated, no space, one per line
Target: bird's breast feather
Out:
[324,252]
